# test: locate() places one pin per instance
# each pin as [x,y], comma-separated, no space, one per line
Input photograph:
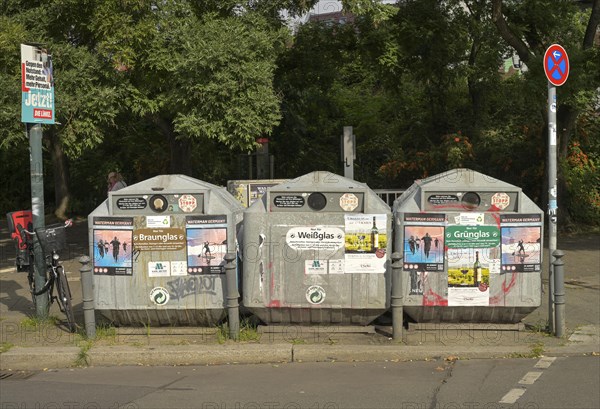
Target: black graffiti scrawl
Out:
[181,287]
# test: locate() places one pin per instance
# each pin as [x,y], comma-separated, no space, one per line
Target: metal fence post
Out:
[87,292]
[233,295]
[396,302]
[559,293]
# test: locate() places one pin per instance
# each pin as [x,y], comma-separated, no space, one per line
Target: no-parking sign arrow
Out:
[556,65]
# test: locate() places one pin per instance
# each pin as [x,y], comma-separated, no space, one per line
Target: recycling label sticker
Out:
[157,222]
[315,238]
[461,237]
[159,269]
[315,267]
[159,296]
[315,294]
[470,219]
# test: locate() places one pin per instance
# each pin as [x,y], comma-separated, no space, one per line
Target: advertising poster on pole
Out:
[37,85]
[113,237]
[206,244]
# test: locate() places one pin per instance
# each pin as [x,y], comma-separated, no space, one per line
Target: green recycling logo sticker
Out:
[159,296]
[315,294]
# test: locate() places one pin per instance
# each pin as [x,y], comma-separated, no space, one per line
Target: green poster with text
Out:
[460,237]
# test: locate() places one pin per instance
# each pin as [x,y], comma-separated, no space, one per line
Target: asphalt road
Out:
[563,382]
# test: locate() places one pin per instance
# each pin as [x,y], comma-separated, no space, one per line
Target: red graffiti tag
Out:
[431,299]
[273,303]
[496,216]
[505,290]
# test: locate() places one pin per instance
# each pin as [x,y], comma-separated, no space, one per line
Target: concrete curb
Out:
[39,358]
[360,353]
[314,353]
[190,355]
[36,358]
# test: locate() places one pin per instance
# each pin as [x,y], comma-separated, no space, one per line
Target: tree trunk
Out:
[566,120]
[181,162]
[62,194]
[592,27]
[508,36]
[474,92]
[180,155]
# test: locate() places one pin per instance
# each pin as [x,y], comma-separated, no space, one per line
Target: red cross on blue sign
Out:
[556,65]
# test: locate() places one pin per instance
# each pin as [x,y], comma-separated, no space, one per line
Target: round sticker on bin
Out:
[501,200]
[349,202]
[159,296]
[315,294]
[188,203]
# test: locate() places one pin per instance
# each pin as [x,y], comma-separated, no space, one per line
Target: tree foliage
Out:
[186,86]
[199,74]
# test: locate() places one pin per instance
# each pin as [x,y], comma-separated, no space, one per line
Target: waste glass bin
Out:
[472,248]
[317,250]
[158,250]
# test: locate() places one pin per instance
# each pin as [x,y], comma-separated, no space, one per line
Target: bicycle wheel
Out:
[64,298]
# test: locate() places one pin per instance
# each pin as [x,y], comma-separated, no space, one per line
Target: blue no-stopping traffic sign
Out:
[556,65]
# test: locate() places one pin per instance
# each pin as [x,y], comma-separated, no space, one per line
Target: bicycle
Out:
[52,239]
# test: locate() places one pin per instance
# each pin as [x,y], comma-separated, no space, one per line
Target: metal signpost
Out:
[37,108]
[556,67]
[348,152]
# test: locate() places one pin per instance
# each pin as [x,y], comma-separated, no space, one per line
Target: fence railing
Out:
[389,195]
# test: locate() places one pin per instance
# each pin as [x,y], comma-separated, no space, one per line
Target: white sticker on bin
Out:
[159,296]
[159,269]
[158,221]
[315,238]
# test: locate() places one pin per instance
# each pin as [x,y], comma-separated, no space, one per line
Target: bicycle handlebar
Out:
[68,223]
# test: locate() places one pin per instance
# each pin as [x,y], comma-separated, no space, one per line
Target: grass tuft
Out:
[5,346]
[83,358]
[248,332]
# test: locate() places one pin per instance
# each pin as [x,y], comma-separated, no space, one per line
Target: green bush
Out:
[582,179]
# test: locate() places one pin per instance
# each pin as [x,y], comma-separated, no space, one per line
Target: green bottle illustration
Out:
[477,271]
[374,236]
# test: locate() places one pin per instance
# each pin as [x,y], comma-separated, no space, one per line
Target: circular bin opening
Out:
[470,200]
[158,203]
[317,201]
